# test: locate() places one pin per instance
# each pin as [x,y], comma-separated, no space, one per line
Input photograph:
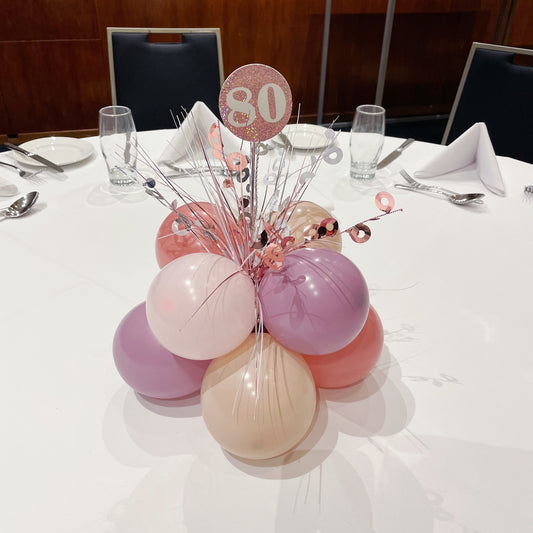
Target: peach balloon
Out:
[353,362]
[302,215]
[201,306]
[264,423]
[170,246]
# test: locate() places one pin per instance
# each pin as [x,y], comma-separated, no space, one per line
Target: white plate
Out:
[305,136]
[60,150]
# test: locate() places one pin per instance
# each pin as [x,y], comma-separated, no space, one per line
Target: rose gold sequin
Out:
[388,205]
[360,233]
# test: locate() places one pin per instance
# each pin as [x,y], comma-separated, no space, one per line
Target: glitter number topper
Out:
[255,102]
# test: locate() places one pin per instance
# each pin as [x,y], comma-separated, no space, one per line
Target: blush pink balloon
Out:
[201,306]
[147,367]
[353,362]
[170,246]
[316,303]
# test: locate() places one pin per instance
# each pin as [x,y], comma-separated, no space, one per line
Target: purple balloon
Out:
[147,367]
[316,303]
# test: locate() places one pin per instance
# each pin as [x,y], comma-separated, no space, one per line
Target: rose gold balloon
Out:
[305,217]
[169,246]
[258,424]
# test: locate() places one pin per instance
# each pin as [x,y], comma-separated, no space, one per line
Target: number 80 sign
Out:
[255,102]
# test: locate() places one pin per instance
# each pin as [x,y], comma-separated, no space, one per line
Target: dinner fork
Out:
[22,173]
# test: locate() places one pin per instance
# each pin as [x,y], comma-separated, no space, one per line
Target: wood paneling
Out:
[521,28]
[53,53]
[47,20]
[285,35]
[59,84]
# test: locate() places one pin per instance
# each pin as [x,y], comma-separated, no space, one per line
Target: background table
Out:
[438,437]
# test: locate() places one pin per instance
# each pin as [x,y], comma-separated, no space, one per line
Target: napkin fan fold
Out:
[185,147]
[473,147]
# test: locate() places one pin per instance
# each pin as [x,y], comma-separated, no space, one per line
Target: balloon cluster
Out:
[254,303]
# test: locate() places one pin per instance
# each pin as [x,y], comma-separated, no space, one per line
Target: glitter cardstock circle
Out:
[255,102]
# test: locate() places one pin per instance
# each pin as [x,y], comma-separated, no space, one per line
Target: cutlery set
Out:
[9,189]
[23,204]
[413,185]
[35,157]
[454,197]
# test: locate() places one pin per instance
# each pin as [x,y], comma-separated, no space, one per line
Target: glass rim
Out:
[370,109]
[114,110]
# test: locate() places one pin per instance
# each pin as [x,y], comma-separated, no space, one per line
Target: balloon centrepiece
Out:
[303,223]
[201,306]
[352,363]
[258,416]
[243,261]
[169,245]
[147,367]
[316,303]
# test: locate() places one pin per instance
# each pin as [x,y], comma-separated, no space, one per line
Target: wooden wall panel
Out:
[4,119]
[285,35]
[426,58]
[59,84]
[521,29]
[53,53]
[45,20]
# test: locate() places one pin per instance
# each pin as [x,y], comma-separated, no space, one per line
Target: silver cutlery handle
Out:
[423,189]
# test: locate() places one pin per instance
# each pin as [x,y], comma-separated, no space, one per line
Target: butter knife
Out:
[35,157]
[394,154]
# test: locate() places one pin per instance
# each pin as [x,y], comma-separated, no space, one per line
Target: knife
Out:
[396,153]
[36,157]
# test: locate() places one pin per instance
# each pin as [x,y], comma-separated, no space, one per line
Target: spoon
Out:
[21,206]
[455,198]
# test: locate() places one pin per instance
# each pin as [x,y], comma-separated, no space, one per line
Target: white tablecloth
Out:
[437,439]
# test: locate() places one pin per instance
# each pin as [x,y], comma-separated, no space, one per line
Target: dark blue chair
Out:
[159,80]
[497,91]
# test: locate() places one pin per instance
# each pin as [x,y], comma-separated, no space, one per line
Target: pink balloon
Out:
[316,303]
[353,362]
[169,246]
[201,306]
[147,367]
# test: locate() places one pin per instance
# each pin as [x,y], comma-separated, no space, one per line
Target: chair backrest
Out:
[159,80]
[495,90]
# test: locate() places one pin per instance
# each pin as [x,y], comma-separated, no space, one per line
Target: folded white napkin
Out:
[473,147]
[185,147]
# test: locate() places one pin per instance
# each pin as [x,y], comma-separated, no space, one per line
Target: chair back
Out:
[162,80]
[495,90]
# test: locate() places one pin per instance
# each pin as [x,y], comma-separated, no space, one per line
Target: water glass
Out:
[366,140]
[118,142]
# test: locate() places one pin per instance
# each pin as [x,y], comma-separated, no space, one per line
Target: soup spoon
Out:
[21,206]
